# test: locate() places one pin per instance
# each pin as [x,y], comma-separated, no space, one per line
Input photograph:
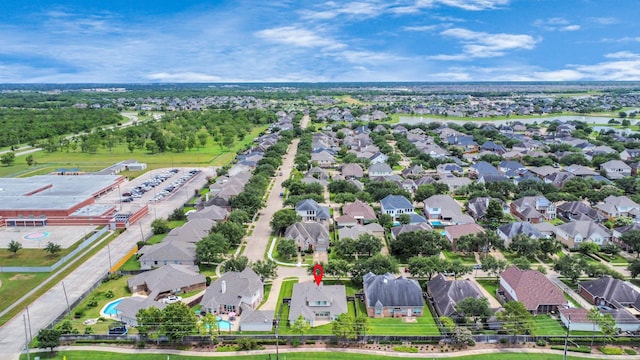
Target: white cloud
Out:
[485,45]
[292,35]
[621,40]
[623,55]
[423,28]
[603,20]
[556,24]
[360,9]
[183,77]
[474,5]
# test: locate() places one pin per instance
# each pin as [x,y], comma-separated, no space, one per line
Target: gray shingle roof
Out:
[166,278]
[513,229]
[395,202]
[387,290]
[447,293]
[306,292]
[238,284]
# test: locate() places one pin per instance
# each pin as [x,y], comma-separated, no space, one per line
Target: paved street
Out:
[52,304]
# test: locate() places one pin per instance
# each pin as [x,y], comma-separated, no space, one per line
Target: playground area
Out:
[37,237]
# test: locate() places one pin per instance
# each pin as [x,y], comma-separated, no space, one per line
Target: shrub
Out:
[607,350]
[295,342]
[246,344]
[407,349]
[630,352]
[92,302]
[109,294]
[582,349]
[78,313]
[88,330]
[541,342]
[226,348]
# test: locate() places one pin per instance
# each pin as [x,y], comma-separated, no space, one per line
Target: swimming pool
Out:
[223,325]
[436,223]
[110,309]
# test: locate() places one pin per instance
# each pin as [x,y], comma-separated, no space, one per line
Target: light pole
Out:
[29,322]
[109,251]
[277,342]
[64,289]
[26,337]
[566,339]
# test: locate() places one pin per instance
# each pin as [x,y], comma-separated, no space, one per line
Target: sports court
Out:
[37,237]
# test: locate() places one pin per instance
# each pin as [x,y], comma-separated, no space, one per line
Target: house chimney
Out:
[223,287]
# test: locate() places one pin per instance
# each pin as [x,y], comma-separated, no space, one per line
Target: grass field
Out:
[99,355]
[465,258]
[490,285]
[545,325]
[210,155]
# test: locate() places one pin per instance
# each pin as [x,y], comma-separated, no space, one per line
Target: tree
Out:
[494,211]
[52,248]
[524,245]
[404,219]
[148,320]
[8,158]
[607,326]
[368,244]
[421,242]
[160,226]
[569,266]
[343,327]
[457,267]
[287,248]
[549,246]
[265,269]
[235,263]
[231,231]
[377,264]
[178,320]
[634,268]
[475,308]
[588,247]
[239,216]
[301,325]
[448,324]
[632,240]
[462,335]
[362,325]
[284,218]
[420,266]
[202,136]
[338,268]
[48,338]
[177,214]
[14,247]
[493,266]
[30,160]
[594,316]
[211,249]
[516,319]
[386,221]
[210,322]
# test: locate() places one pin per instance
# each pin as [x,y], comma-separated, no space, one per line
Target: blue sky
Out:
[67,41]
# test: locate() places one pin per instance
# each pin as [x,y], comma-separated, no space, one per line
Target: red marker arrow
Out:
[318,272]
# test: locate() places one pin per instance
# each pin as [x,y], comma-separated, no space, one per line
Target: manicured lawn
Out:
[425,325]
[614,259]
[99,355]
[570,299]
[490,285]
[545,325]
[348,285]
[466,258]
[285,292]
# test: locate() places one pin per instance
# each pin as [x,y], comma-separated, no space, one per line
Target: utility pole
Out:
[66,298]
[277,326]
[566,339]
[109,251]
[29,322]
[26,337]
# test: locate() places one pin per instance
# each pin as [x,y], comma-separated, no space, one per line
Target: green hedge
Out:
[611,350]
[585,350]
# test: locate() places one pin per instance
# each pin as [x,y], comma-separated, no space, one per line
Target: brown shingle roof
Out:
[533,288]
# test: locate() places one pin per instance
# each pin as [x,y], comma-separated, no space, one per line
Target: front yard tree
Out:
[522,263]
[494,211]
[493,266]
[362,325]
[14,247]
[549,246]
[368,244]
[231,231]
[524,245]
[377,264]
[516,319]
[457,267]
[475,308]
[569,266]
[49,338]
[8,158]
[425,266]
[266,269]
[344,248]
[160,226]
[238,263]
[632,240]
[634,268]
[283,219]
[287,248]
[301,325]
[588,247]
[239,216]
[52,248]
[211,249]
[338,268]
[425,243]
[178,320]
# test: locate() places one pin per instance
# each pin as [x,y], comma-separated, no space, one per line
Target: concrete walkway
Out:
[574,295]
[283,350]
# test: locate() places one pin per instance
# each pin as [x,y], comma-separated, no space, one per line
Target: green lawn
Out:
[490,285]
[545,325]
[99,355]
[466,258]
[614,259]
[285,292]
[210,155]
[348,285]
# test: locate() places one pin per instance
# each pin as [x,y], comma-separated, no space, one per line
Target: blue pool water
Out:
[223,325]
[110,309]
[436,223]
[396,223]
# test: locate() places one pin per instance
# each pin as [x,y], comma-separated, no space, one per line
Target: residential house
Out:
[352,171]
[380,170]
[616,169]
[318,173]
[317,304]
[454,232]
[580,170]
[213,213]
[128,308]
[310,210]
[630,154]
[388,296]
[396,205]
[448,169]
[533,209]
[574,233]
[257,320]
[233,292]
[454,183]
[446,294]
[607,291]
[477,207]
[397,230]
[413,171]
[617,232]
[578,210]
[482,168]
[509,231]
[192,231]
[510,168]
[614,207]
[378,158]
[308,235]
[579,319]
[558,179]
[362,212]
[167,280]
[323,159]
[538,294]
[355,231]
[165,253]
[445,209]
[493,147]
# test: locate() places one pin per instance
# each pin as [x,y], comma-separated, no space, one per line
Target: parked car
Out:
[171,299]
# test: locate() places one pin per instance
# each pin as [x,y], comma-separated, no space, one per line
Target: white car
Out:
[171,299]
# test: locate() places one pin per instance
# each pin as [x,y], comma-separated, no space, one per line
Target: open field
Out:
[210,155]
[98,355]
